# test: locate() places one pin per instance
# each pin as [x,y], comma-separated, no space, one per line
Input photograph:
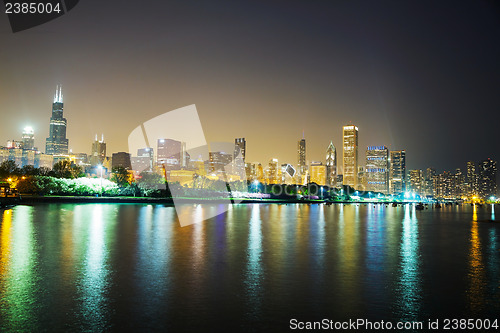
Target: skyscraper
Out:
[240,145]
[377,169]
[169,153]
[397,171]
[350,158]
[472,185]
[28,138]
[98,153]
[301,154]
[331,165]
[487,178]
[56,143]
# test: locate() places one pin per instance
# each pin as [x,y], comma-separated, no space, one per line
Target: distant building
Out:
[487,178]
[217,162]
[377,169]
[397,172]
[318,173]
[472,180]
[57,143]
[273,174]
[331,165]
[144,160]
[169,153]
[98,151]
[44,160]
[28,138]
[416,181]
[350,155]
[121,159]
[301,157]
[240,146]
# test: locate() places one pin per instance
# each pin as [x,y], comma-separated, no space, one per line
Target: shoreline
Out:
[28,200]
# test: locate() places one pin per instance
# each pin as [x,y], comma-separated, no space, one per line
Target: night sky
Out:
[417,75]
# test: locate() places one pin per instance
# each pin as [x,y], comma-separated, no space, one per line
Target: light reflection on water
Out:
[123,267]
[410,272]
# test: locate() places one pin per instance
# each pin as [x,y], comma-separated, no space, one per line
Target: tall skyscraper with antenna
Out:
[301,156]
[57,143]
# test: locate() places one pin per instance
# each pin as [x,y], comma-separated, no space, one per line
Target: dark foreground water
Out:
[95,267]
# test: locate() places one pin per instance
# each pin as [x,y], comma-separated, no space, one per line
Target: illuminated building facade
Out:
[28,138]
[377,169]
[397,171]
[331,165]
[273,174]
[98,152]
[487,178]
[318,173]
[350,155]
[301,155]
[57,143]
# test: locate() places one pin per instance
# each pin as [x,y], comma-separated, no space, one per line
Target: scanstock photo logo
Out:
[29,14]
[177,137]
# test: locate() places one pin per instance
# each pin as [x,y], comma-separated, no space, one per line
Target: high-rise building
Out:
[121,159]
[28,138]
[397,172]
[240,146]
[377,169]
[239,165]
[98,152]
[487,178]
[472,179]
[143,161]
[331,165]
[429,181]
[301,154]
[169,153]
[57,143]
[416,181]
[350,155]
[317,173]
[273,176]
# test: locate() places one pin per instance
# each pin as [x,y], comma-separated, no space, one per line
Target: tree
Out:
[8,168]
[120,176]
[62,169]
[66,169]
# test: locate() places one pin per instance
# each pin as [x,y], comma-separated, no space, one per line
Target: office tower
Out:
[98,152]
[397,172]
[28,138]
[331,165]
[318,173]
[458,184]
[56,143]
[143,161]
[301,152]
[429,181]
[169,153]
[217,162]
[350,155]
[416,181]
[487,178]
[240,146]
[377,169]
[121,159]
[239,165]
[273,176]
[472,179]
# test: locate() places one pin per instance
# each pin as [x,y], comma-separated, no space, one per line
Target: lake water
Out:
[95,267]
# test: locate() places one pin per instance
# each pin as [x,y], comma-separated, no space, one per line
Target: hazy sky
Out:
[417,75]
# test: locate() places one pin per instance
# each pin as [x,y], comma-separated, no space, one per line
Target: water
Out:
[95,267]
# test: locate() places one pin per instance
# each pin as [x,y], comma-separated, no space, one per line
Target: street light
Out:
[100,168]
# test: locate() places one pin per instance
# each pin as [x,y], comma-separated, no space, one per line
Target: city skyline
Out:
[382,67]
[98,148]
